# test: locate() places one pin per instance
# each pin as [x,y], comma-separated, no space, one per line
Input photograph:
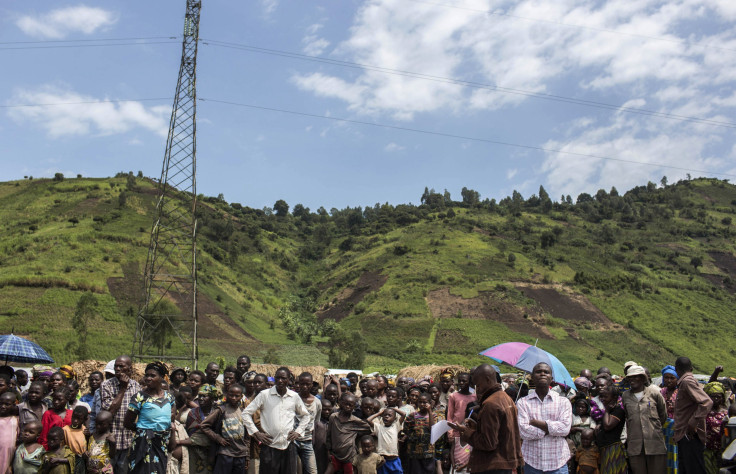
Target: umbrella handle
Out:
[518,392]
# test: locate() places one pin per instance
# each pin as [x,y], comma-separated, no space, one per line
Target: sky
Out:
[341,103]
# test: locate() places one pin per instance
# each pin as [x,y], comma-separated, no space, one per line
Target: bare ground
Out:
[349,297]
[213,322]
[443,304]
[562,303]
[725,262]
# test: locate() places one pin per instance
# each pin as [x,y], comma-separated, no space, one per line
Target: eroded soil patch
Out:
[526,320]
[349,297]
[560,303]
[212,324]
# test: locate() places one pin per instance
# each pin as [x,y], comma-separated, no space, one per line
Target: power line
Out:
[472,84]
[572,25]
[111,101]
[462,137]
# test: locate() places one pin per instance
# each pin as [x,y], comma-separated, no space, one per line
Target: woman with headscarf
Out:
[669,392]
[714,425]
[149,416]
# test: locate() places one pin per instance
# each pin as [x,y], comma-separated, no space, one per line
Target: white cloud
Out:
[61,22]
[511,173]
[269,6]
[392,147]
[314,45]
[75,118]
[658,146]
[528,55]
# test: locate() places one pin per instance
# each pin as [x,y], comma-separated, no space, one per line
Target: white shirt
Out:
[277,415]
[387,436]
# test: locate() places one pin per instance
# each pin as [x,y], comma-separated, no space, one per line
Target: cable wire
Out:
[464,83]
[462,137]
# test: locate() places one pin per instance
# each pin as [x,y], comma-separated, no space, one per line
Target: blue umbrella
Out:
[18,349]
[525,356]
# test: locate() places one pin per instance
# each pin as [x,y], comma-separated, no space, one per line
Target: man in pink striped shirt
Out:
[544,422]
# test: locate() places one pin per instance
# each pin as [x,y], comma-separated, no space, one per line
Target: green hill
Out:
[647,275]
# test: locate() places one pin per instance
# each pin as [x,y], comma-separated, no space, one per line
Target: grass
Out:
[46,262]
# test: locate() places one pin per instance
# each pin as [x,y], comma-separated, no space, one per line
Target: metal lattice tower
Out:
[167,320]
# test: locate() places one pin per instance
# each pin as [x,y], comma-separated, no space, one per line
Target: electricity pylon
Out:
[167,320]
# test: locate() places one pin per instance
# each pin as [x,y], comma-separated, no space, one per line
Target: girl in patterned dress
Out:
[101,445]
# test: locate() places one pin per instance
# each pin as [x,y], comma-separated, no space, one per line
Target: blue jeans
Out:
[306,454]
[530,470]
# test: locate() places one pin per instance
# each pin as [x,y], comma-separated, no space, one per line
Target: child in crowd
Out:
[101,445]
[178,460]
[75,439]
[418,427]
[367,408]
[8,429]
[57,459]
[201,454]
[231,437]
[319,436]
[304,445]
[73,400]
[386,427]
[343,429]
[457,403]
[21,378]
[33,408]
[368,461]
[412,396]
[56,416]
[195,381]
[395,399]
[586,455]
[28,456]
[581,420]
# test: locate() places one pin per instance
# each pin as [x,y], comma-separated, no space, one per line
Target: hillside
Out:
[647,275]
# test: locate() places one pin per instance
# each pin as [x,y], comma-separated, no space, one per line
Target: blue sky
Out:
[465,68]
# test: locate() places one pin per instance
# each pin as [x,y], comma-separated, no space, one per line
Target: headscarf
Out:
[668,369]
[210,390]
[583,382]
[713,388]
[68,372]
[159,367]
[40,370]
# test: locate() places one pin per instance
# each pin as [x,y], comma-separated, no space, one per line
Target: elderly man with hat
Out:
[646,413]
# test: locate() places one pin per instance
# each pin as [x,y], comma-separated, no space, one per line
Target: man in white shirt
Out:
[279,407]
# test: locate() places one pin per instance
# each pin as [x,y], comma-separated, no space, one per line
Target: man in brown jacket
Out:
[495,436]
[691,408]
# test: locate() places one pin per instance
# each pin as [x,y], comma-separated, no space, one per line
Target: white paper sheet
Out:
[438,429]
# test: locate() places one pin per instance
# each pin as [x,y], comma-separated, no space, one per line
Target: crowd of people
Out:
[237,421]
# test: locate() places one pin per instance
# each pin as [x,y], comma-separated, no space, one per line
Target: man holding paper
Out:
[495,437]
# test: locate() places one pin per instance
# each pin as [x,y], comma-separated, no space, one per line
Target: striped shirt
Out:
[542,451]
